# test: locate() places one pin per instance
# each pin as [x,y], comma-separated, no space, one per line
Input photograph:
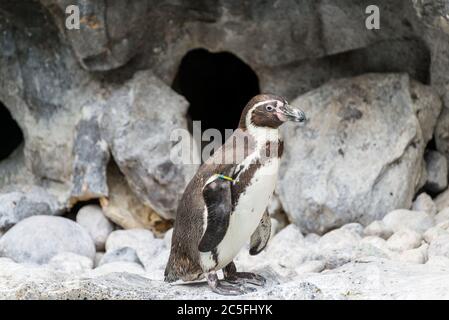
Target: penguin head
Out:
[271,111]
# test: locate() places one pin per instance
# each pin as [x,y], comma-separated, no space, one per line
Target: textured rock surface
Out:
[380,279]
[137,125]
[70,263]
[425,203]
[348,165]
[37,239]
[406,219]
[25,201]
[152,252]
[379,229]
[91,156]
[91,217]
[124,254]
[125,209]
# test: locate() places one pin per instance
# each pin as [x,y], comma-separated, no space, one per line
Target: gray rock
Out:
[98,45]
[431,234]
[418,255]
[425,203]
[383,251]
[39,238]
[124,208]
[436,165]
[145,245]
[404,239]
[91,217]
[337,247]
[70,263]
[442,129]
[407,219]
[354,227]
[91,156]
[440,247]
[332,163]
[124,254]
[21,202]
[139,120]
[442,200]
[442,216]
[379,229]
[97,259]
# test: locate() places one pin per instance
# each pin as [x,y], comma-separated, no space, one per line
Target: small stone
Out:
[39,238]
[312,238]
[312,266]
[406,219]
[418,255]
[436,165]
[404,239]
[442,200]
[380,244]
[442,216]
[142,241]
[425,204]
[91,217]
[433,233]
[440,246]
[97,259]
[354,227]
[124,254]
[379,229]
[444,225]
[338,239]
[70,263]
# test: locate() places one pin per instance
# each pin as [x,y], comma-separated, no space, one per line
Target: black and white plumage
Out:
[215,216]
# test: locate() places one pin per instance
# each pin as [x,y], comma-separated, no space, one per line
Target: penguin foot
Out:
[226,288]
[246,278]
[231,275]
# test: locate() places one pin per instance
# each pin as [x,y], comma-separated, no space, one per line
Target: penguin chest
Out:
[245,218]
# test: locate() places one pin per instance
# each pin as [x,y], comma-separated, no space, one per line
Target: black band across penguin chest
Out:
[243,174]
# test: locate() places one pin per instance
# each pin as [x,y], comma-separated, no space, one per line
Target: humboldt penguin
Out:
[224,205]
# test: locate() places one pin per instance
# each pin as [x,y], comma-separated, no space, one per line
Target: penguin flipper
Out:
[217,197]
[260,237]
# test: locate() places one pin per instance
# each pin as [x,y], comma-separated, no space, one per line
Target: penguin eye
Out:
[269,108]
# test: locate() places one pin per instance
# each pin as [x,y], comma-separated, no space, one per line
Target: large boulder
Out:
[137,124]
[38,239]
[360,155]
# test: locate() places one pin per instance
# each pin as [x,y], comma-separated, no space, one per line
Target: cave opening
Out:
[217,86]
[11,134]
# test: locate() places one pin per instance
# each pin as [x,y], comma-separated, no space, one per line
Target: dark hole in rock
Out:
[71,214]
[217,85]
[11,134]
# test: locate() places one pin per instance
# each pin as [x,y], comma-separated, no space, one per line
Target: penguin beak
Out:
[289,113]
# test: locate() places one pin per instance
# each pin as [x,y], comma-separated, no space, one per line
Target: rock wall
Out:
[96,107]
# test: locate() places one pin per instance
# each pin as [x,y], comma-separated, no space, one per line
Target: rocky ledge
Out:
[403,256]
